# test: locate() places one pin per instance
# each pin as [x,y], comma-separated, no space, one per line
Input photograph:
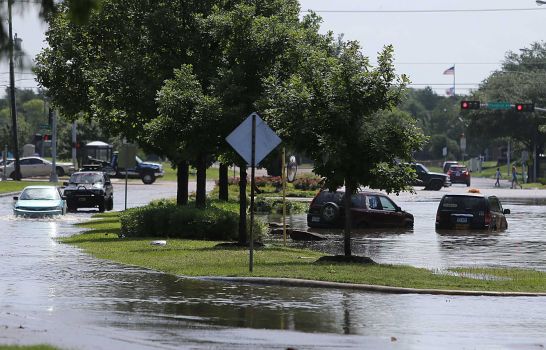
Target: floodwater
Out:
[53,293]
[523,244]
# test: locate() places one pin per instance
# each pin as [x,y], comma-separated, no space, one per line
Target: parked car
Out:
[368,209]
[448,164]
[89,189]
[37,166]
[471,211]
[39,201]
[459,174]
[430,180]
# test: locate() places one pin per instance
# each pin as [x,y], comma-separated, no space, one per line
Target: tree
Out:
[336,109]
[521,79]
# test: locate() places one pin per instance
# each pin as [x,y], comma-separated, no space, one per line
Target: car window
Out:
[39,194]
[358,201]
[86,178]
[494,204]
[327,196]
[463,203]
[387,204]
[25,162]
[35,161]
[373,202]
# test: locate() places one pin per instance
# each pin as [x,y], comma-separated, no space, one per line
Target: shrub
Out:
[272,205]
[308,183]
[163,218]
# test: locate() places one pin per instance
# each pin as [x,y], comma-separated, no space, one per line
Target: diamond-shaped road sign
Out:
[241,139]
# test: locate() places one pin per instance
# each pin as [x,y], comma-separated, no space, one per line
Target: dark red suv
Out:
[459,174]
[368,209]
[471,211]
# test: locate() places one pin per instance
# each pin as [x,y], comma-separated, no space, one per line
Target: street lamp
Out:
[541,2]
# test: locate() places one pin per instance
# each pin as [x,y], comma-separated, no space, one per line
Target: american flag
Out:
[450,71]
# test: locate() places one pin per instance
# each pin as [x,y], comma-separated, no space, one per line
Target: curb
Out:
[293,282]
[8,194]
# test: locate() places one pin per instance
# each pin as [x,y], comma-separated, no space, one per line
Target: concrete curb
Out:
[293,282]
[8,194]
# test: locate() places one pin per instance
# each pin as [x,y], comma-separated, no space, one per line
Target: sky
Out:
[429,36]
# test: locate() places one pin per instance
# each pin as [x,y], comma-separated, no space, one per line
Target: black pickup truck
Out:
[431,181]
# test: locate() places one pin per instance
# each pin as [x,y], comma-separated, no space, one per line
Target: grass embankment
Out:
[27,347]
[202,258]
[170,173]
[15,186]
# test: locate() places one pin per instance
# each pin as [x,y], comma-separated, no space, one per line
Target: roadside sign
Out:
[499,105]
[463,143]
[241,139]
[444,151]
[45,127]
[126,156]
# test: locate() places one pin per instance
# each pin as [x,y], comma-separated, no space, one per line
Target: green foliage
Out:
[275,205]
[163,218]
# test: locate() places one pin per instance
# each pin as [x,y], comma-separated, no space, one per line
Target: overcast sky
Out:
[428,36]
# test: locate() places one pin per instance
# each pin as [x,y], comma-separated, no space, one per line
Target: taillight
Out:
[487,218]
[466,173]
[449,172]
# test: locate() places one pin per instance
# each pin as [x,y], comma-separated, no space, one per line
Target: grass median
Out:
[203,258]
[16,186]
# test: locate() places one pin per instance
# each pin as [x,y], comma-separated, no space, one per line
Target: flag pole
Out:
[454,93]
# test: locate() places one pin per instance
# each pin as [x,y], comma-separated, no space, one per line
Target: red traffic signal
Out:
[524,107]
[470,104]
[46,137]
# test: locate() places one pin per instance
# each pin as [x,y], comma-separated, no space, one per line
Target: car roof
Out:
[89,172]
[470,194]
[39,187]
[342,190]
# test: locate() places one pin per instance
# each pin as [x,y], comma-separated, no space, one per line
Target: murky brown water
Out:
[64,297]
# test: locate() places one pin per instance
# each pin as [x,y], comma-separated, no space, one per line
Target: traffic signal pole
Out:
[17,166]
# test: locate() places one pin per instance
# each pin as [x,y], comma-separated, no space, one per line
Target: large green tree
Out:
[337,110]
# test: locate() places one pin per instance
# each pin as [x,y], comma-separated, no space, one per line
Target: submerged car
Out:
[89,189]
[471,211]
[368,209]
[459,174]
[39,201]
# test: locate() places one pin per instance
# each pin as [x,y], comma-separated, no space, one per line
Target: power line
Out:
[426,11]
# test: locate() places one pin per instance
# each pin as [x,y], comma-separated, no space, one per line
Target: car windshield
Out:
[85,178]
[138,159]
[458,168]
[39,194]
[462,203]
[424,168]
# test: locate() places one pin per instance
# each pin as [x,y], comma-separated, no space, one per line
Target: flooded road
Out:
[53,293]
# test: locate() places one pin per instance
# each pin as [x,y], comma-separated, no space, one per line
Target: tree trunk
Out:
[182,176]
[223,194]
[201,190]
[242,206]
[347,208]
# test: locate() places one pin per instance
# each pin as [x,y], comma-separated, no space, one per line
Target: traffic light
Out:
[524,107]
[470,104]
[46,137]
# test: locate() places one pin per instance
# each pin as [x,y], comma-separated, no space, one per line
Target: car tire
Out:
[434,185]
[59,171]
[71,208]
[329,212]
[102,206]
[12,175]
[110,203]
[148,178]
[468,184]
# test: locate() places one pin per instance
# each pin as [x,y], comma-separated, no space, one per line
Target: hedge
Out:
[218,222]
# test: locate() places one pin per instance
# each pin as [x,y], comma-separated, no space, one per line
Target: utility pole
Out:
[53,118]
[12,97]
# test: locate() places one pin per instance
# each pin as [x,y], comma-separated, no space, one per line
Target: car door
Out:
[26,167]
[392,215]
[498,221]
[374,213]
[41,167]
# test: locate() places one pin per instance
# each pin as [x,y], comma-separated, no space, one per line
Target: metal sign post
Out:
[262,141]
[126,159]
[53,117]
[5,159]
[284,195]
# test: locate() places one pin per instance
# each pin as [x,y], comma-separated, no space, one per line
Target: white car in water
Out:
[37,166]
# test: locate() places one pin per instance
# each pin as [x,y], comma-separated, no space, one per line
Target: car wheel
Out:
[110,203]
[329,212]
[12,175]
[468,184]
[148,178]
[71,208]
[435,185]
[102,206]
[60,171]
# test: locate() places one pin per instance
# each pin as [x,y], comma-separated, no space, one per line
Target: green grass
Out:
[170,173]
[202,258]
[27,347]
[16,186]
